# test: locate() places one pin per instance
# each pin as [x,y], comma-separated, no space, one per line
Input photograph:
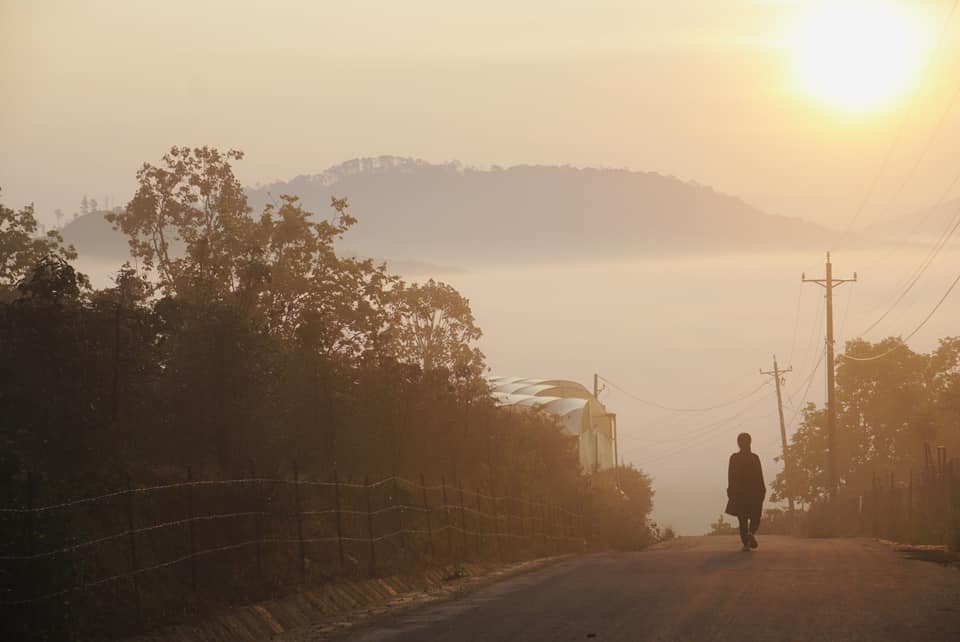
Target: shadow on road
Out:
[722,562]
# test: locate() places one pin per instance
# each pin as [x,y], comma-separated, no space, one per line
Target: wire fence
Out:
[920,507]
[137,557]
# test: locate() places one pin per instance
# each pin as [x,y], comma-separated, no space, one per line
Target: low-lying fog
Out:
[690,332]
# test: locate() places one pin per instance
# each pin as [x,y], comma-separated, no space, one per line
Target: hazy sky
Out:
[707,90]
[702,89]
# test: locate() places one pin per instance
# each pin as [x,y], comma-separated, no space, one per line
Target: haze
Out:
[697,89]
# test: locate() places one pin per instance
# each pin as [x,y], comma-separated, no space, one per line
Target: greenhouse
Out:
[580,414]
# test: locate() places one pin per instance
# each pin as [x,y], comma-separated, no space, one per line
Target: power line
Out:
[701,430]
[903,340]
[796,323]
[654,404]
[943,117]
[928,260]
[814,338]
[809,383]
[846,313]
[930,212]
[896,139]
[708,435]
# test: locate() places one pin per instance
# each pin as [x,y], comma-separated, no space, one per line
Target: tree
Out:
[886,410]
[192,197]
[53,280]
[437,329]
[21,248]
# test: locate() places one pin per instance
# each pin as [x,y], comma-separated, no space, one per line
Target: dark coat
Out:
[746,489]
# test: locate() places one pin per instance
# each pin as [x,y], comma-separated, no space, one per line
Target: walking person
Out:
[746,491]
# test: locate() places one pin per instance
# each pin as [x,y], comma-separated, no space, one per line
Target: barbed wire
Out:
[71,548]
[282,540]
[136,531]
[263,480]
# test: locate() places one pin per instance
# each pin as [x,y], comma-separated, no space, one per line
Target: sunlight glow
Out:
[859,55]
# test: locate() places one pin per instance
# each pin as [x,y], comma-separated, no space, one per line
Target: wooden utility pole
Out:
[596,437]
[616,453]
[828,284]
[777,375]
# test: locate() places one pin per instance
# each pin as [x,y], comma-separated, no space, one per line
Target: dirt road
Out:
[703,588]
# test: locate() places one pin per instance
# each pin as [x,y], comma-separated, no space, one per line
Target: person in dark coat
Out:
[746,491]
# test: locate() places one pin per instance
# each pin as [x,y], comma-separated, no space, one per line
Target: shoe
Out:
[745,548]
[753,541]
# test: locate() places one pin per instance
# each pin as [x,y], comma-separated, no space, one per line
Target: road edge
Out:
[333,608]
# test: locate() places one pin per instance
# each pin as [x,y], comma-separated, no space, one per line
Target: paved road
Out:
[703,588]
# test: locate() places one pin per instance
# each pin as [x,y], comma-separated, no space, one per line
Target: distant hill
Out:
[94,237]
[97,242]
[921,227]
[451,213]
[424,214]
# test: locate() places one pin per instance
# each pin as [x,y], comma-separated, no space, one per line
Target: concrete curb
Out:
[333,607]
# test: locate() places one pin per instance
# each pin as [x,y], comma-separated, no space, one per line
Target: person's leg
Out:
[744,536]
[754,524]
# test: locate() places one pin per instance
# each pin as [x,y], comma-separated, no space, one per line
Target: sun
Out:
[858,55]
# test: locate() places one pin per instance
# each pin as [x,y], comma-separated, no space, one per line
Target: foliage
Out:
[21,248]
[437,329]
[622,500]
[246,336]
[887,409]
[723,527]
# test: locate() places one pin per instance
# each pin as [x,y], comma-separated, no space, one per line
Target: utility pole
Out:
[596,436]
[828,284]
[616,455]
[777,373]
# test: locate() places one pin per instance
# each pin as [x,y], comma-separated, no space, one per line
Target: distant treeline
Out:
[254,341]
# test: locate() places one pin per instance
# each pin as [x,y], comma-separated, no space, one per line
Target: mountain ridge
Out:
[444,211]
[455,214]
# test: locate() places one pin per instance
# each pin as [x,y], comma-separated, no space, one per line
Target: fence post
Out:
[257,519]
[446,510]
[399,508]
[480,519]
[336,502]
[954,537]
[299,514]
[134,562]
[562,516]
[552,517]
[373,549]
[521,510]
[191,513]
[894,502]
[582,528]
[508,518]
[31,537]
[543,525]
[910,518]
[512,518]
[427,511]
[496,520]
[463,522]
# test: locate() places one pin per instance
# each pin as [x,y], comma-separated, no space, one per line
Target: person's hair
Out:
[743,440]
